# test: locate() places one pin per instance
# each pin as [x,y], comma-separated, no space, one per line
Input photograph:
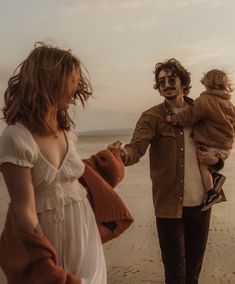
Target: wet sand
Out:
[134,257]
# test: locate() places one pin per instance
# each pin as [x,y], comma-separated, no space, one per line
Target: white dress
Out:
[62,206]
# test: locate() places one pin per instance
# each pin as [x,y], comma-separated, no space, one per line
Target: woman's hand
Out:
[116,145]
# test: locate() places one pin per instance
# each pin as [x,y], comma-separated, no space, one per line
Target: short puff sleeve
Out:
[17,147]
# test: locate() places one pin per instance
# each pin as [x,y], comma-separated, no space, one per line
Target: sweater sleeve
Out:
[27,257]
[108,164]
[190,115]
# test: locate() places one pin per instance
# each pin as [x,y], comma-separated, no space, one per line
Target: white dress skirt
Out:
[63,210]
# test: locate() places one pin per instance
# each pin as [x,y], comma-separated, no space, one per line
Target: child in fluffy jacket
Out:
[212,118]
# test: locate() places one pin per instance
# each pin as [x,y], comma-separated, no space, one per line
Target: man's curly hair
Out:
[177,69]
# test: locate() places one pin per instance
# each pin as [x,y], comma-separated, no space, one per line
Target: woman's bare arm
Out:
[20,186]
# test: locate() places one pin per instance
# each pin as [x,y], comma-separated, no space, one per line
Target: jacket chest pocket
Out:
[167,139]
[165,150]
[168,135]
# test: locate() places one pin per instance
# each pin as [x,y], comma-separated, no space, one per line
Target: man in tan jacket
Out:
[176,182]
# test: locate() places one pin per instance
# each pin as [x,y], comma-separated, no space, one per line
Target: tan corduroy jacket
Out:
[212,116]
[166,158]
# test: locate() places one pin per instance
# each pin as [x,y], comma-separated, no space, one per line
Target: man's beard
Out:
[171,98]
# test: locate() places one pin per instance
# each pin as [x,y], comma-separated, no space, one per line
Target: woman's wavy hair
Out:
[177,69]
[216,79]
[41,83]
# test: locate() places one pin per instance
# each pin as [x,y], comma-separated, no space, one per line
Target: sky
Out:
[119,42]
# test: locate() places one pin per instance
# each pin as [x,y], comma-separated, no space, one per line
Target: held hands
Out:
[117,145]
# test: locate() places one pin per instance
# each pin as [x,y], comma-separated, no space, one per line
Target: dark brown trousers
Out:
[183,242]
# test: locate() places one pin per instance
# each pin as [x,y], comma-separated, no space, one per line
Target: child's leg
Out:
[206,176]
[212,184]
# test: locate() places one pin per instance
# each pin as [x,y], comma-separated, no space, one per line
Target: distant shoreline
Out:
[107,132]
[99,132]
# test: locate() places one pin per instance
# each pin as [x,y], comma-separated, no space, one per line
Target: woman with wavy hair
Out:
[40,164]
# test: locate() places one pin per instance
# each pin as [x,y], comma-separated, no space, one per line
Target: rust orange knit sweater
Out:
[104,171]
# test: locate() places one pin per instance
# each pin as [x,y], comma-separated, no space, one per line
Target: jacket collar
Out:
[218,93]
[169,109]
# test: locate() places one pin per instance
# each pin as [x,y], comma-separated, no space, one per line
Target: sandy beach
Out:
[134,257]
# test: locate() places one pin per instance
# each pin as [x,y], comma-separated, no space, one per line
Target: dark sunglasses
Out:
[163,81]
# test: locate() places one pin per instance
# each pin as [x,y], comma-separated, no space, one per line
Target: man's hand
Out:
[168,118]
[206,157]
[117,145]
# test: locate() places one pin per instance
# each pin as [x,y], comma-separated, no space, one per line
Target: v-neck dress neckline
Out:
[43,156]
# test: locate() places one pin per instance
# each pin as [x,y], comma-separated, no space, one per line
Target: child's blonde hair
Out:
[217,80]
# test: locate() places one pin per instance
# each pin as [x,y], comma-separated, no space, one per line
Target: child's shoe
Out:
[210,199]
[218,181]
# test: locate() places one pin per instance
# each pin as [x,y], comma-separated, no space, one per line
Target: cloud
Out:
[215,3]
[184,3]
[105,5]
[113,68]
[80,6]
[5,73]
[132,4]
[138,26]
[93,119]
[198,52]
